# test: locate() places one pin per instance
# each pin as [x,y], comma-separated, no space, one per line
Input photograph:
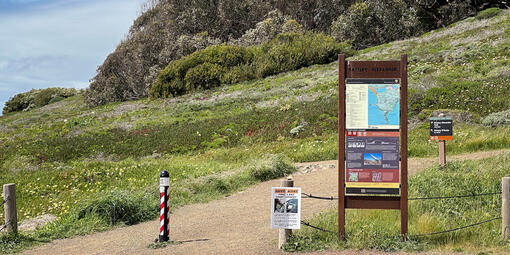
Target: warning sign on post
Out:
[286,208]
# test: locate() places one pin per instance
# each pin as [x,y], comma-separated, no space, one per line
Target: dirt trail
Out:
[238,224]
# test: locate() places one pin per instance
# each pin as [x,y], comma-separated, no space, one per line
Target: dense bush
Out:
[121,207]
[441,13]
[371,23]
[264,31]
[37,98]
[203,69]
[226,64]
[274,166]
[497,119]
[290,51]
[488,13]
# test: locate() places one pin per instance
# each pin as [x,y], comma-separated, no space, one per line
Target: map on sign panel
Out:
[383,100]
[372,103]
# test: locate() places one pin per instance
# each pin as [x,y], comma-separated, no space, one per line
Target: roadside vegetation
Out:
[70,160]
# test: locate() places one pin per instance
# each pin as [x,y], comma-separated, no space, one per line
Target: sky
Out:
[58,43]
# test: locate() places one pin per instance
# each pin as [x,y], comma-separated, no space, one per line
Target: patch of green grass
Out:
[466,138]
[160,245]
[13,243]
[276,166]
[380,229]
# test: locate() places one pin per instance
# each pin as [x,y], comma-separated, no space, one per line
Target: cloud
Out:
[58,43]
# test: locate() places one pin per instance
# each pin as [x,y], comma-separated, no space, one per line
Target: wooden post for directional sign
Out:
[442,153]
[441,129]
[382,190]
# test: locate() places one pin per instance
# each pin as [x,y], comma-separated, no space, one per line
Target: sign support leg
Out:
[403,147]
[341,146]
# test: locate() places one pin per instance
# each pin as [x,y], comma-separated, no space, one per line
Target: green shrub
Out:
[291,51]
[497,119]
[17,103]
[37,98]
[203,69]
[204,76]
[488,13]
[369,23]
[227,64]
[274,166]
[121,206]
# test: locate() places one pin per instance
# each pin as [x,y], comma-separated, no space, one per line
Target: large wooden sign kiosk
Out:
[372,137]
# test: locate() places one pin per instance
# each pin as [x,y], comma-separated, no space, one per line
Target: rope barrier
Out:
[455,229]
[418,235]
[305,195]
[4,226]
[316,197]
[459,196]
[318,228]
[3,202]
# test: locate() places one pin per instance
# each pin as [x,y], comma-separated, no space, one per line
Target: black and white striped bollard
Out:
[164,229]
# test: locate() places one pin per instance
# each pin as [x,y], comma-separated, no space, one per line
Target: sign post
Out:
[441,129]
[372,137]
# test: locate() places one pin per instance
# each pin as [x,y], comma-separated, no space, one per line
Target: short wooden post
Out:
[442,153]
[10,212]
[505,207]
[284,234]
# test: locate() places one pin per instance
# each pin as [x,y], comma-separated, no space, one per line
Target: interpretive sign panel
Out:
[372,103]
[441,128]
[372,137]
[372,162]
[286,208]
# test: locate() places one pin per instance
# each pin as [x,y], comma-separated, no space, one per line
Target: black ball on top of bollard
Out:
[164,173]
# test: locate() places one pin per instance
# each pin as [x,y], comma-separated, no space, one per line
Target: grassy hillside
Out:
[66,158]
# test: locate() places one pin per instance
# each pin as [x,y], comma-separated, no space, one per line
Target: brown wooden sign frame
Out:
[372,69]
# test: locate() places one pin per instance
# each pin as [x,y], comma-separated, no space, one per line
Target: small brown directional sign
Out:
[441,128]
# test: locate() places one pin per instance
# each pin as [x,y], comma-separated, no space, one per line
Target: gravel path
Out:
[238,224]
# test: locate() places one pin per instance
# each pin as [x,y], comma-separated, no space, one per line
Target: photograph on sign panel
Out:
[373,159]
[285,205]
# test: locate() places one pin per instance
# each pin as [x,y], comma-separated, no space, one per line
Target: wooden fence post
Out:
[10,212]
[505,207]
[284,234]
